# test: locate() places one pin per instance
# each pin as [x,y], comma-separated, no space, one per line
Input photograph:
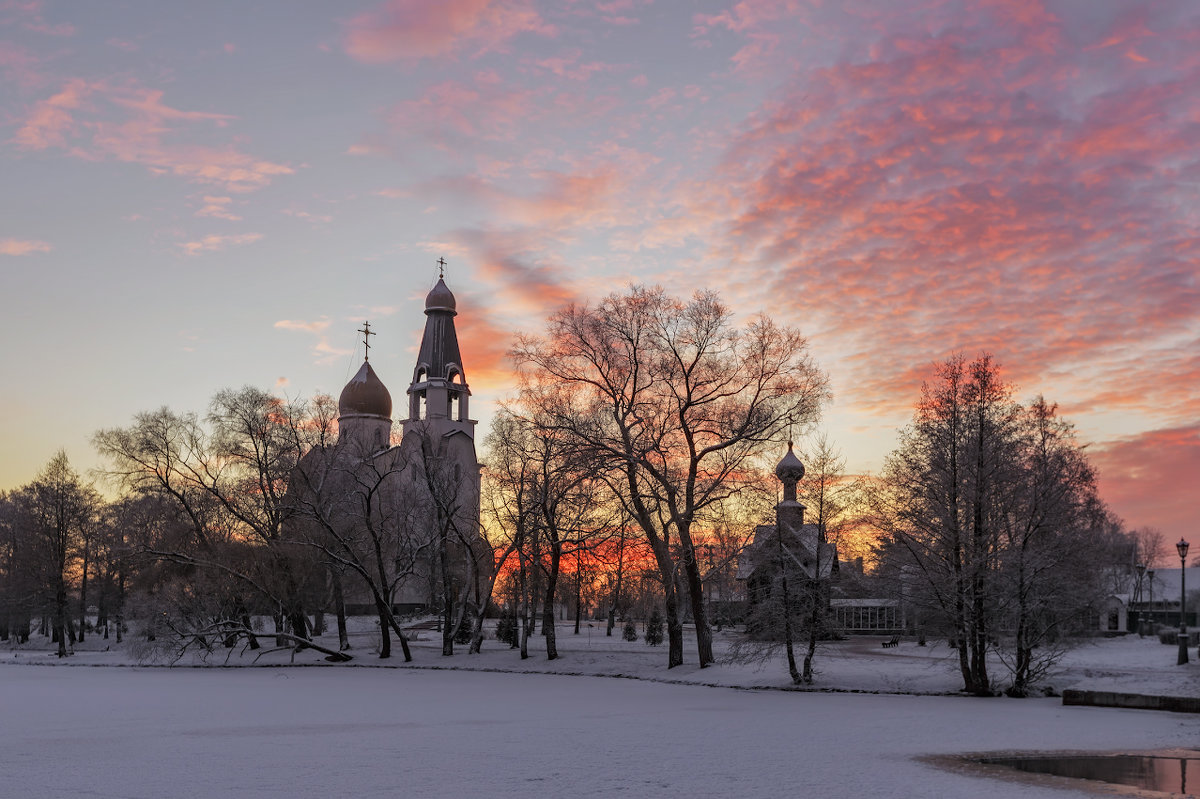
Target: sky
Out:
[196,196]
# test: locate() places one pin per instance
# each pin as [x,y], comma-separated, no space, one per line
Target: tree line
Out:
[627,472]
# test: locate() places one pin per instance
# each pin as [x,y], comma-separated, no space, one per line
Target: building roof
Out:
[365,395]
[790,468]
[440,298]
[439,353]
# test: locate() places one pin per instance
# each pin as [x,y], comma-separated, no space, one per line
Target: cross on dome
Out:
[367,333]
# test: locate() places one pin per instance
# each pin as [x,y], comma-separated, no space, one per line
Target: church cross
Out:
[441,268]
[367,333]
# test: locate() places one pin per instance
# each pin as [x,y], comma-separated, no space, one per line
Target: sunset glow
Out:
[201,196]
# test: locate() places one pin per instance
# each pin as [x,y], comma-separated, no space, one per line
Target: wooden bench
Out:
[893,641]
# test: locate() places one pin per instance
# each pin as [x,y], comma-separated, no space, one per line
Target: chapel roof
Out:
[365,395]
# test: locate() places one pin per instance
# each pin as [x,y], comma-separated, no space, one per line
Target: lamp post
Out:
[1153,623]
[1182,549]
[1137,597]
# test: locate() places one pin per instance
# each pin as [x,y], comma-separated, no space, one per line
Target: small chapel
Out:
[789,547]
[408,511]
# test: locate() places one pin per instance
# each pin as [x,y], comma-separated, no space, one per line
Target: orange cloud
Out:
[22,246]
[212,243]
[412,29]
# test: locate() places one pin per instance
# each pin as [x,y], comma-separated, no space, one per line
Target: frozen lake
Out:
[132,732]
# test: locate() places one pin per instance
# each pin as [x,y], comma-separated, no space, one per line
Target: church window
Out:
[422,410]
[454,408]
[421,375]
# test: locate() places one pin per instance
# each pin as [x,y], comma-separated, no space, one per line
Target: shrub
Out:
[506,630]
[463,636]
[629,632]
[654,629]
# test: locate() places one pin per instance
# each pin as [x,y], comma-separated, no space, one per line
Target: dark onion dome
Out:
[790,468]
[365,395]
[440,298]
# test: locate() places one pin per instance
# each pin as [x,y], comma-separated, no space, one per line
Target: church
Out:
[399,521]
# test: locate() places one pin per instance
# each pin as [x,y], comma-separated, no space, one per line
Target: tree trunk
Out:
[120,615]
[674,631]
[548,625]
[339,604]
[447,602]
[385,629]
[60,614]
[83,582]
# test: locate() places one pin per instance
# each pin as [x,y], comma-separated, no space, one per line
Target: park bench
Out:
[893,641]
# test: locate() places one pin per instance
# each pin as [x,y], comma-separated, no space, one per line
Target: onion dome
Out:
[365,395]
[790,468]
[440,298]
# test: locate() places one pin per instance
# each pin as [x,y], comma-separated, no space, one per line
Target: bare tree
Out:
[58,508]
[941,500]
[828,496]
[677,401]
[347,502]
[228,476]
[1050,575]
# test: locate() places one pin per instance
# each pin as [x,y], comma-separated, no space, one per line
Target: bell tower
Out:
[439,397]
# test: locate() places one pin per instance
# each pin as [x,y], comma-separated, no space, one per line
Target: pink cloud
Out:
[484,111]
[22,246]
[1150,479]
[323,351]
[218,208]
[407,30]
[317,326]
[971,190]
[98,121]
[51,120]
[28,16]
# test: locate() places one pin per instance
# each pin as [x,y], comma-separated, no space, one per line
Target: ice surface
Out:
[153,733]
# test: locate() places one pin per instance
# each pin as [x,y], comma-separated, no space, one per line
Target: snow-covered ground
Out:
[344,730]
[1130,663]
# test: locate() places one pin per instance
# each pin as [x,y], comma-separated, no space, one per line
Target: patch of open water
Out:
[1149,772]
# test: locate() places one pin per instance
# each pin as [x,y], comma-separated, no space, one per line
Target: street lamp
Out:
[1182,549]
[1137,597]
[1153,622]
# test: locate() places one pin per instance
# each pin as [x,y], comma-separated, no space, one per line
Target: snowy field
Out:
[125,732]
[424,730]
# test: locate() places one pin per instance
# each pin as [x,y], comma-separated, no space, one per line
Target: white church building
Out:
[395,508]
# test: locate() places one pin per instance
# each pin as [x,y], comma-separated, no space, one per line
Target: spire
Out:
[789,471]
[439,345]
[439,387]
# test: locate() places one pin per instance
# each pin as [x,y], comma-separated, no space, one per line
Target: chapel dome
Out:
[440,298]
[790,468]
[365,395]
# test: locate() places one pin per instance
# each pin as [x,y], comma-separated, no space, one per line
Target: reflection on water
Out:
[1140,771]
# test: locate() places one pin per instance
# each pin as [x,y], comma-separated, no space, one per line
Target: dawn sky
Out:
[204,195]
